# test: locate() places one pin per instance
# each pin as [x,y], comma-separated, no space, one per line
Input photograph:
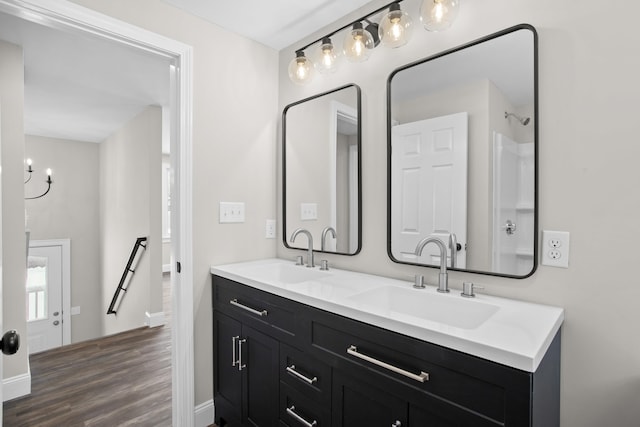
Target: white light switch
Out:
[75,310]
[231,212]
[308,211]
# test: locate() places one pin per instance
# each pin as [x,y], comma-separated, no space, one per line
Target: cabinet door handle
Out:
[292,370]
[240,365]
[234,358]
[424,376]
[249,309]
[291,411]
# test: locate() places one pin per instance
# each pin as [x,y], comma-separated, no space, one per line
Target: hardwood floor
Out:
[121,380]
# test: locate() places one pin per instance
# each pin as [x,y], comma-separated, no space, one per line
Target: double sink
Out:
[515,333]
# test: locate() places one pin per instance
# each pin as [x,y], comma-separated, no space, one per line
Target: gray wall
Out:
[70,211]
[235,117]
[589,152]
[13,239]
[130,208]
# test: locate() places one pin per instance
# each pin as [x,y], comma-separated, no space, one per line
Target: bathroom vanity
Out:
[295,346]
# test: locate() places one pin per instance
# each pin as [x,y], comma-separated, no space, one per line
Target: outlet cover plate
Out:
[555,248]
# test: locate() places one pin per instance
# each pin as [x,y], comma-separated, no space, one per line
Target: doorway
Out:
[48,295]
[78,20]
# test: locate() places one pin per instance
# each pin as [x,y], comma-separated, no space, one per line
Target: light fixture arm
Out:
[49,182]
[350,24]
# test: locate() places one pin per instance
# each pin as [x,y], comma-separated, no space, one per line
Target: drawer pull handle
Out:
[240,365]
[424,376]
[292,370]
[291,411]
[249,309]
[234,358]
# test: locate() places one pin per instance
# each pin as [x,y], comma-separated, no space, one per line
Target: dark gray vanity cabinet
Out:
[309,367]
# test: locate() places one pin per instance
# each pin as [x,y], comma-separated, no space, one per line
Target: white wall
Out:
[130,208]
[13,238]
[70,211]
[234,138]
[589,153]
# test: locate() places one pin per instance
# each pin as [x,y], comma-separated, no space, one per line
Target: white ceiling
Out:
[83,88]
[274,23]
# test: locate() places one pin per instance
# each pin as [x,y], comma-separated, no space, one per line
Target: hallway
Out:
[120,380]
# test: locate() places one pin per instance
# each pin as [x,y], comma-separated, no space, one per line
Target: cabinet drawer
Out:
[266,312]
[305,374]
[475,384]
[298,410]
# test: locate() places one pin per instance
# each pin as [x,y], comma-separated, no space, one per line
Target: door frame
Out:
[65,244]
[77,19]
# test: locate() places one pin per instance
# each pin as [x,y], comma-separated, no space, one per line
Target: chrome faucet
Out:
[443,279]
[324,235]
[310,240]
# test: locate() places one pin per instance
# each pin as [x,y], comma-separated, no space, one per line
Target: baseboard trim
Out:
[17,386]
[205,414]
[153,320]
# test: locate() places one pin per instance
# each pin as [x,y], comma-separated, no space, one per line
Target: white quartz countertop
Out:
[510,332]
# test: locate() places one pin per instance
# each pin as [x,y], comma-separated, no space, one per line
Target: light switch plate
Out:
[308,211]
[270,231]
[555,248]
[231,212]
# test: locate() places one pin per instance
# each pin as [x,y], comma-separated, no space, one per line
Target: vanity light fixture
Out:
[48,181]
[300,69]
[438,15]
[327,57]
[358,43]
[394,30]
[395,27]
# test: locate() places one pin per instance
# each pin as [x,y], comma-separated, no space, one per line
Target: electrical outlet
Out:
[270,232]
[555,248]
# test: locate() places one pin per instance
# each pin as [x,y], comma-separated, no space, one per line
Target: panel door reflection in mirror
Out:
[462,147]
[321,177]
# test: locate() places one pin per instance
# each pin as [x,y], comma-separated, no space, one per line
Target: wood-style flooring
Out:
[120,380]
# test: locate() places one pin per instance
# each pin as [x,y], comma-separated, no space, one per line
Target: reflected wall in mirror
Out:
[321,171]
[462,156]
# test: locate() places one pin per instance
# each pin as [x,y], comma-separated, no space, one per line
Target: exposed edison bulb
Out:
[300,69]
[358,43]
[396,27]
[438,15]
[326,60]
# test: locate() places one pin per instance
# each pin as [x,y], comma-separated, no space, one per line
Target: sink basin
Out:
[425,304]
[285,273]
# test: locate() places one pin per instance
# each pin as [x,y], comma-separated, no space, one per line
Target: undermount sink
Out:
[401,303]
[286,273]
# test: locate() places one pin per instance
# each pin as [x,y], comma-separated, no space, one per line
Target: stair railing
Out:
[128,273]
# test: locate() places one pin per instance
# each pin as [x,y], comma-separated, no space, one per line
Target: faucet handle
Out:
[467,289]
[418,281]
[299,260]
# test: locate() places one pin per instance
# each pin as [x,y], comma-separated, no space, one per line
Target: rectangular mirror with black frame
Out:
[462,156]
[321,157]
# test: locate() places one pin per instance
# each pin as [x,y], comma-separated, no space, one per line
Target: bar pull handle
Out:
[292,370]
[291,411]
[234,358]
[240,364]
[249,309]
[422,377]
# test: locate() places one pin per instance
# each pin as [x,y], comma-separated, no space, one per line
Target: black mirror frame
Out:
[536,146]
[284,167]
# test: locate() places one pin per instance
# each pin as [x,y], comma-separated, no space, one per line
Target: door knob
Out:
[10,342]
[56,323]
[56,313]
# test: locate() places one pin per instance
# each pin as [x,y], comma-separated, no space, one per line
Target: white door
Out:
[429,187]
[44,298]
